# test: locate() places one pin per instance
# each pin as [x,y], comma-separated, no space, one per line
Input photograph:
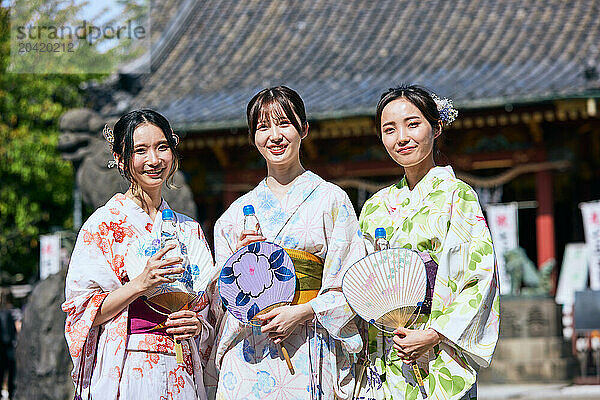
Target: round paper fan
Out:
[255,279]
[385,288]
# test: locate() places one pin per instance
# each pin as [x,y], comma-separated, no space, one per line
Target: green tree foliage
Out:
[35,183]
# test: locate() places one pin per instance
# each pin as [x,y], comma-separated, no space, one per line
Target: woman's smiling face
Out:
[276,137]
[152,157]
[406,134]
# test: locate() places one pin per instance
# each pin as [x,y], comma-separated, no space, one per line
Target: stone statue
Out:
[525,279]
[81,142]
[43,361]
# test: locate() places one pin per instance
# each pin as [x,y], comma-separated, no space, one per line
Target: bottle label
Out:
[167,238]
[381,244]
[251,224]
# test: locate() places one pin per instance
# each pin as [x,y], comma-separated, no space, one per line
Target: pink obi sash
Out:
[143,318]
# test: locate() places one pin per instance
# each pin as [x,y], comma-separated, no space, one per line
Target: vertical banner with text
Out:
[504,226]
[49,255]
[591,228]
[573,273]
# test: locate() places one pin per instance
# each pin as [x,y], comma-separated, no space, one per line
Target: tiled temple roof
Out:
[340,55]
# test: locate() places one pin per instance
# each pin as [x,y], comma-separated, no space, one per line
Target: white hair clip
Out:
[108,134]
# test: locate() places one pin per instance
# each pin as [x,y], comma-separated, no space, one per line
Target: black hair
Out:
[123,139]
[287,99]
[416,95]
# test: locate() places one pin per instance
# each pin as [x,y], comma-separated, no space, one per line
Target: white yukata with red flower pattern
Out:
[109,363]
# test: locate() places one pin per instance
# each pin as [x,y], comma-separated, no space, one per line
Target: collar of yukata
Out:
[441,172]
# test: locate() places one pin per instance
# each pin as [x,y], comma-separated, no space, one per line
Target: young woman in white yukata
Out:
[315,221]
[112,357]
[430,210]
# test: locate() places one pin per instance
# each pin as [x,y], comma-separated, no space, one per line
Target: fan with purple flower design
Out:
[256,279]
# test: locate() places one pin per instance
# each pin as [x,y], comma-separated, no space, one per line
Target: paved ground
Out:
[539,392]
[522,392]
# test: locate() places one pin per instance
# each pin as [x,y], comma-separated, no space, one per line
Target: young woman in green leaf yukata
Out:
[431,210]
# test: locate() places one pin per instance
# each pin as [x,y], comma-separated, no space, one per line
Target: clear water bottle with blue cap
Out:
[169,235]
[381,242]
[250,221]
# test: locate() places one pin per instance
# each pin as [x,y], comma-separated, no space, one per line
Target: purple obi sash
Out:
[144,317]
[431,270]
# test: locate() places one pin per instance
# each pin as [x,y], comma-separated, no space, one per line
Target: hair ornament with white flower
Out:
[446,109]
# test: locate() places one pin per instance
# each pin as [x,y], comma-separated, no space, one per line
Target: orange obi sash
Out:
[309,275]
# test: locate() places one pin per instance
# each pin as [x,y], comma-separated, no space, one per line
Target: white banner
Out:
[573,273]
[504,226]
[49,255]
[591,228]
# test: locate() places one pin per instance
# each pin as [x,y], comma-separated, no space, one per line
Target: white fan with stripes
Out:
[387,287]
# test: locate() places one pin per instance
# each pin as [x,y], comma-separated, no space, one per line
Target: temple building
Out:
[524,77]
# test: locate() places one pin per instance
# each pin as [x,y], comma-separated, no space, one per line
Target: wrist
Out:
[307,312]
[136,286]
[436,337]
[198,328]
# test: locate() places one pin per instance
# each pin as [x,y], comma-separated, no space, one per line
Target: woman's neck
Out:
[415,173]
[149,201]
[280,177]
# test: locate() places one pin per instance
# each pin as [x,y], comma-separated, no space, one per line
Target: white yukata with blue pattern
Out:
[317,217]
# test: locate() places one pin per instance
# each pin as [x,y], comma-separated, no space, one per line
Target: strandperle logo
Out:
[86,31]
[52,38]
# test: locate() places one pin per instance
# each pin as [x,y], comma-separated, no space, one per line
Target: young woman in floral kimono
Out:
[315,222]
[430,210]
[112,358]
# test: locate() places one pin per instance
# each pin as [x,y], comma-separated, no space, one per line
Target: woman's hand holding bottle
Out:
[156,270]
[248,237]
[252,231]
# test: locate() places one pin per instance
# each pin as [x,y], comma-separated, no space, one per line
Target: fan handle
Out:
[415,368]
[256,322]
[287,358]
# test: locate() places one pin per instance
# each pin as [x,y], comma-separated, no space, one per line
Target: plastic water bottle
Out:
[168,235]
[381,242]
[250,221]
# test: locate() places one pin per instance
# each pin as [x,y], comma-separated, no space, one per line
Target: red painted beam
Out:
[545,217]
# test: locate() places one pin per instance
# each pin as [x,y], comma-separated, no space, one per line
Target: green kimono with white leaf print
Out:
[441,216]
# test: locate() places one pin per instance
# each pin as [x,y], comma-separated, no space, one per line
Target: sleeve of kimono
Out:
[84,292]
[225,240]
[205,308]
[469,311]
[205,312]
[344,247]
[225,237]
[368,239]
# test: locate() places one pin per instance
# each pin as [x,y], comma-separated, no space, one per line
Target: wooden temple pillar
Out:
[545,217]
